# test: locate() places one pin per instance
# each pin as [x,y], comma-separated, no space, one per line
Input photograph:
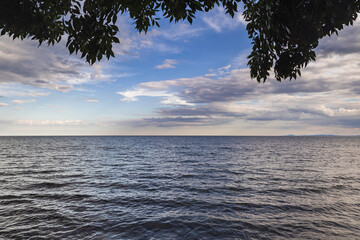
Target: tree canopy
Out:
[284,33]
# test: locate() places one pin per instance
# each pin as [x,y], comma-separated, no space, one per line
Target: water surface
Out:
[179,188]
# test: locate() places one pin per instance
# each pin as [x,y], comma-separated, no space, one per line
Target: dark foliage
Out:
[284,33]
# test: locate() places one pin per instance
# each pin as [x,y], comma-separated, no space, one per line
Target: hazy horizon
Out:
[149,135]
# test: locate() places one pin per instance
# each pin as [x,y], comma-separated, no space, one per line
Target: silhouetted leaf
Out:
[284,33]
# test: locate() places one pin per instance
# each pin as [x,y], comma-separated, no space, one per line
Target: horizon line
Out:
[154,135]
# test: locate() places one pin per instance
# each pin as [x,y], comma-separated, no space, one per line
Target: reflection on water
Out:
[180,187]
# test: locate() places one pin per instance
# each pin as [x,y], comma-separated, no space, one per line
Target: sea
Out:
[159,187]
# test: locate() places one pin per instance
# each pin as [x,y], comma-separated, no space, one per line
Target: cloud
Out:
[132,43]
[131,95]
[202,89]
[168,98]
[347,42]
[178,32]
[92,100]
[3,104]
[18,90]
[23,101]
[178,121]
[49,122]
[325,96]
[22,62]
[219,21]
[168,63]
[52,68]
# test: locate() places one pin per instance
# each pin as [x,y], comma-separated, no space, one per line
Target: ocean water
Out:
[179,188]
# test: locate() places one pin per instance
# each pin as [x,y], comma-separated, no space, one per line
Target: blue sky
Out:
[178,79]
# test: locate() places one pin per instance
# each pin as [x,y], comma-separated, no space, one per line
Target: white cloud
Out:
[227,67]
[23,101]
[49,122]
[178,32]
[219,21]
[168,97]
[22,62]
[132,42]
[34,93]
[19,90]
[175,100]
[241,60]
[168,63]
[3,104]
[131,95]
[348,41]
[323,96]
[92,100]
[240,19]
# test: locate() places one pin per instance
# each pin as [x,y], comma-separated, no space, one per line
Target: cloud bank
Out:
[327,94]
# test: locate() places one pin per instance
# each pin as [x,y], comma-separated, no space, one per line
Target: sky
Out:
[179,79]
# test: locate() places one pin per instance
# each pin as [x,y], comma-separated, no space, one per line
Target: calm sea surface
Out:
[179,188]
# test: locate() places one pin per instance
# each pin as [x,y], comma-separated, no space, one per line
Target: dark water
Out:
[179,188]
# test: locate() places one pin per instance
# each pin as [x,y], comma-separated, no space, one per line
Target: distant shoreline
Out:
[290,135]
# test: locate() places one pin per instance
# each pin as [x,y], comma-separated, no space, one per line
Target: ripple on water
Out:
[179,188]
